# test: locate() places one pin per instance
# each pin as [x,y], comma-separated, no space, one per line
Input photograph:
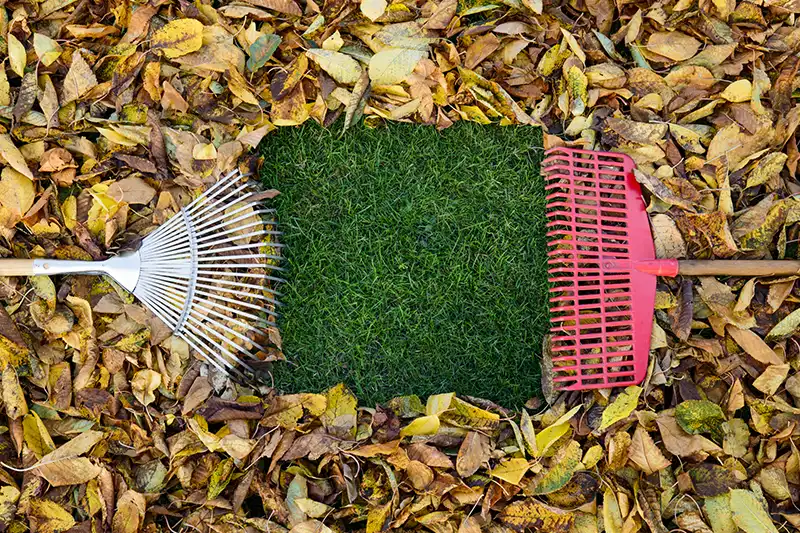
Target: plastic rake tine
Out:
[204,273]
[603,269]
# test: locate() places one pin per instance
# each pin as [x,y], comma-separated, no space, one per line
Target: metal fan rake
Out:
[206,273]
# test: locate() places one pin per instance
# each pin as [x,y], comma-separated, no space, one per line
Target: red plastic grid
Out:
[601,317]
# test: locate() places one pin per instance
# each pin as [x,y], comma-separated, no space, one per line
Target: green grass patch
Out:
[416,260]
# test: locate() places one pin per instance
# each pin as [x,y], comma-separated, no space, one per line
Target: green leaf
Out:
[565,463]
[297,490]
[261,50]
[700,416]
[749,515]
[621,407]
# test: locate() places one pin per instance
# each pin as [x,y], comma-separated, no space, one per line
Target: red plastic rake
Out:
[603,270]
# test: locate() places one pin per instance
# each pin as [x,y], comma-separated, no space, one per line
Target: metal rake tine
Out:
[251,275]
[214,343]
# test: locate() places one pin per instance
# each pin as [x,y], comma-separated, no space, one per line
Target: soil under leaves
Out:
[113,115]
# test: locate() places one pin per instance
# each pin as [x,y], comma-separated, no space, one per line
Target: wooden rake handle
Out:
[736,267]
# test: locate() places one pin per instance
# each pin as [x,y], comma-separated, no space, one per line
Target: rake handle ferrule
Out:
[739,267]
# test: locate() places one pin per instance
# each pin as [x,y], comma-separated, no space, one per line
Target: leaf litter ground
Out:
[114,115]
[416,260]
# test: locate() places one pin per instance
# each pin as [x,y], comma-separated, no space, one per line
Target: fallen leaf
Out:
[645,454]
[511,471]
[341,67]
[393,65]
[474,451]
[748,513]
[178,37]
[531,514]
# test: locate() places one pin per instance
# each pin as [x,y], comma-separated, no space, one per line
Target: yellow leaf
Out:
[373,9]
[566,461]
[424,425]
[115,137]
[621,407]
[393,65]
[592,456]
[340,414]
[573,45]
[511,470]
[528,433]
[334,42]
[532,515]
[238,86]
[144,384]
[129,512]
[13,156]
[70,211]
[612,516]
[204,151]
[749,513]
[738,91]
[36,435]
[47,50]
[16,55]
[549,435]
[178,37]
[771,379]
[16,193]
[378,517]
[49,516]
[439,403]
[312,508]
[341,67]
[13,396]
[577,86]
[5,87]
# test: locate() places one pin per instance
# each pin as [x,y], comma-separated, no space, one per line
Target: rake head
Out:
[205,273]
[601,308]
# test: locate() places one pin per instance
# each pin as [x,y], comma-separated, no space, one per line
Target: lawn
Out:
[416,259]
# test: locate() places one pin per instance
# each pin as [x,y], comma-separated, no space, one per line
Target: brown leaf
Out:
[79,80]
[429,456]
[474,451]
[644,453]
[281,6]
[65,466]
[754,345]
[482,48]
[680,443]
